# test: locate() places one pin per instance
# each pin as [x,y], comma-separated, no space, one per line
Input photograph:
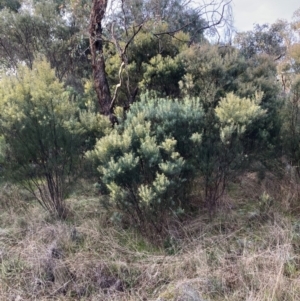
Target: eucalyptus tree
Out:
[132,17]
[10,4]
[43,28]
[263,39]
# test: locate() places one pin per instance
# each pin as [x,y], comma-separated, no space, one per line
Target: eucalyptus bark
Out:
[98,61]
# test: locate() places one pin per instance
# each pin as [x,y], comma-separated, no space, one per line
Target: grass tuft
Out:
[250,250]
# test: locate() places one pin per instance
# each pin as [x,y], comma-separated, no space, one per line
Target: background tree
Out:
[14,5]
[46,29]
[264,39]
[96,32]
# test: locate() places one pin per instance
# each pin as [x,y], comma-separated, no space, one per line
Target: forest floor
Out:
[249,250]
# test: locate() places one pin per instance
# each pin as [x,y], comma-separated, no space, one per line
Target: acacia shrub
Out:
[38,122]
[144,163]
[213,73]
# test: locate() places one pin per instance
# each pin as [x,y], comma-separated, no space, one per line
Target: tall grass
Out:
[249,251]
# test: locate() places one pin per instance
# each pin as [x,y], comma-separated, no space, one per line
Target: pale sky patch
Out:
[249,12]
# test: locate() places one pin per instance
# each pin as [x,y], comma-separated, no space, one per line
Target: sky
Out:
[249,12]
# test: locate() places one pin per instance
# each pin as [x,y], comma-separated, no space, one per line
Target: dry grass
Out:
[249,251]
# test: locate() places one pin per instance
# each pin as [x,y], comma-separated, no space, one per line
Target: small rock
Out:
[183,292]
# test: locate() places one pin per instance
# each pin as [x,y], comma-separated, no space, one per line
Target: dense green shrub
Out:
[39,124]
[211,72]
[144,162]
[147,162]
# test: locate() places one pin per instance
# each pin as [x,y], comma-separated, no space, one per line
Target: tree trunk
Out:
[98,61]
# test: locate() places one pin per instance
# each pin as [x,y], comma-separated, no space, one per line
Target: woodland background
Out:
[147,150]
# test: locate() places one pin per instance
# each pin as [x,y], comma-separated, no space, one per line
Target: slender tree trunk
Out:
[98,61]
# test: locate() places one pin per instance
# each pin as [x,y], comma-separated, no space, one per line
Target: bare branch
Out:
[133,36]
[124,64]
[212,12]
[118,86]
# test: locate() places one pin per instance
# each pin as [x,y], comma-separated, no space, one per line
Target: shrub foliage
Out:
[144,163]
[147,162]
[37,120]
